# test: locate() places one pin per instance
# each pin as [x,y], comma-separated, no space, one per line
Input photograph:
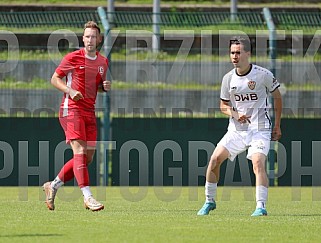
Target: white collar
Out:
[91,58]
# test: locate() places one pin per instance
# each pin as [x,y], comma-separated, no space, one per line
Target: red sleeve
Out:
[65,66]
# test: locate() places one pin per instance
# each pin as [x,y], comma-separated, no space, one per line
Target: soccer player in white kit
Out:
[244,98]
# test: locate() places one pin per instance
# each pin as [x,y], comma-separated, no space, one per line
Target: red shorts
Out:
[80,127]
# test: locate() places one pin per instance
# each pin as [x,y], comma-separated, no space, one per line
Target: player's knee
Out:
[214,162]
[258,168]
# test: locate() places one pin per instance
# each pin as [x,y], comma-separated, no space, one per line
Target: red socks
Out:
[67,173]
[80,170]
[76,167]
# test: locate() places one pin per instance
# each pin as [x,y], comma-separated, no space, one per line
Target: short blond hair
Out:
[92,25]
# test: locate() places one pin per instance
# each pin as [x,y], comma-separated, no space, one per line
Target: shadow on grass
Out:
[29,235]
[300,215]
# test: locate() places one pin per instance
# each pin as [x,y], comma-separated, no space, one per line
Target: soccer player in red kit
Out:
[79,76]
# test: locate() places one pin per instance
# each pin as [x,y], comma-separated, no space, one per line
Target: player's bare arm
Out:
[229,111]
[226,108]
[276,132]
[59,84]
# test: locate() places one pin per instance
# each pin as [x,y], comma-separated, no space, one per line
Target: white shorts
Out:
[237,142]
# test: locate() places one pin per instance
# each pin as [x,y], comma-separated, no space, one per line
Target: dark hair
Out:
[238,40]
[92,25]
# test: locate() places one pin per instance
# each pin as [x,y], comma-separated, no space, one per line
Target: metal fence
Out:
[76,19]
[297,20]
[188,19]
[47,19]
[157,81]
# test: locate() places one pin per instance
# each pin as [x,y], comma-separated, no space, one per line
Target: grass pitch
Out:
[157,214]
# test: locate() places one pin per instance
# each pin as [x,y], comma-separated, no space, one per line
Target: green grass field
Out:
[130,215]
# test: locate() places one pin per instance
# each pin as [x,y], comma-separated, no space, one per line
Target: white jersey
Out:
[248,95]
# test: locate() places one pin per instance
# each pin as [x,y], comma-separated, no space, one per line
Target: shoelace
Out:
[92,200]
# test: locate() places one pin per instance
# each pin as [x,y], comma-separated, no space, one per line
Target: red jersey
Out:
[84,74]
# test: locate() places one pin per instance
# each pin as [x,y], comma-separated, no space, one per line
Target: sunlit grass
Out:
[160,215]
[144,54]
[191,30]
[38,83]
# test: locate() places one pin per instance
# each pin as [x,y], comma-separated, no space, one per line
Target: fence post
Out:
[272,53]
[156,26]
[106,97]
[233,10]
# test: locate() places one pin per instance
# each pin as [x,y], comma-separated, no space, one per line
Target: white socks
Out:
[210,191]
[261,196]
[56,183]
[86,191]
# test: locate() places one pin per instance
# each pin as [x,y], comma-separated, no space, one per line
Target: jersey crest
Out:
[101,70]
[251,84]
